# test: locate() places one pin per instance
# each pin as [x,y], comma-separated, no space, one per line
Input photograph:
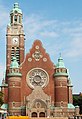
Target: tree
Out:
[1,98]
[77,100]
[80,103]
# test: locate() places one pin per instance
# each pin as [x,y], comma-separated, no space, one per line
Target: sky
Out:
[57,23]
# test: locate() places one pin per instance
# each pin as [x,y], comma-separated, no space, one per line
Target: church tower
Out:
[61,81]
[15,37]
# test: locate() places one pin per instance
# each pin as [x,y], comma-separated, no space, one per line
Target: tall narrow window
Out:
[11,19]
[15,18]
[19,19]
[18,55]
[12,53]
[15,52]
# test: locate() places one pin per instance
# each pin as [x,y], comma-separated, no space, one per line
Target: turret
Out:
[14,88]
[16,15]
[70,97]
[61,78]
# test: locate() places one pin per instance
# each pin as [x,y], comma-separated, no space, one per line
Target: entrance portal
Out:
[38,103]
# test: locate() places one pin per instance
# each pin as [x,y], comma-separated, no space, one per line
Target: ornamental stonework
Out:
[37,77]
[37,55]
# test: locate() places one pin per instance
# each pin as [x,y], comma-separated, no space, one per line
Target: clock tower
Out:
[15,37]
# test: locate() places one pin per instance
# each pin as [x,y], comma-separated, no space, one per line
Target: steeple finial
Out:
[16,15]
[60,63]
[16,5]
[60,54]
[16,8]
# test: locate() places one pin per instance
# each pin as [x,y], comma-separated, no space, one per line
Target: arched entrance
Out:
[39,108]
[41,114]
[34,114]
[38,103]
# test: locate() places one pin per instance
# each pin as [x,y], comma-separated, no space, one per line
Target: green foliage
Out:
[77,100]
[80,103]
[1,98]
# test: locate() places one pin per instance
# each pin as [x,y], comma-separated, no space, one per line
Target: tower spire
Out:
[60,54]
[16,15]
[16,5]
[60,63]
[60,68]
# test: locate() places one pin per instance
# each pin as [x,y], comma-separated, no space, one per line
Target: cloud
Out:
[73,28]
[50,34]
[37,26]
[75,48]
[3,23]
[62,36]
[2,67]
[4,16]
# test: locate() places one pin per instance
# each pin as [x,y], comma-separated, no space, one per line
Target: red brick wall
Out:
[14,89]
[61,91]
[22,50]
[47,66]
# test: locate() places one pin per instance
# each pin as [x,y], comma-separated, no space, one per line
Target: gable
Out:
[37,57]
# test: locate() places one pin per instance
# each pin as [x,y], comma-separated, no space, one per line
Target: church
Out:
[33,85]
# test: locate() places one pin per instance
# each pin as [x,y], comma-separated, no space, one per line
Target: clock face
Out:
[15,41]
[37,77]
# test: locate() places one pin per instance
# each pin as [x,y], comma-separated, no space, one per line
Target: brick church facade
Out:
[33,85]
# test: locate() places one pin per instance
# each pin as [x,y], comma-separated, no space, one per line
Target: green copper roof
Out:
[60,63]
[60,74]
[14,74]
[14,63]
[4,106]
[71,106]
[52,107]
[16,9]
[4,85]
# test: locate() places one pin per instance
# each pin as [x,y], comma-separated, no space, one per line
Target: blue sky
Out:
[57,23]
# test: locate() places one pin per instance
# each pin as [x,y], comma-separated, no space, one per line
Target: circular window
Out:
[37,77]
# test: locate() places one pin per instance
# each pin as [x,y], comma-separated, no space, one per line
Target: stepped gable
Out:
[37,57]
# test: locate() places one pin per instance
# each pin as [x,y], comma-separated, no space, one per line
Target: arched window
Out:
[12,53]
[19,19]
[41,114]
[34,114]
[18,54]
[11,19]
[15,18]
